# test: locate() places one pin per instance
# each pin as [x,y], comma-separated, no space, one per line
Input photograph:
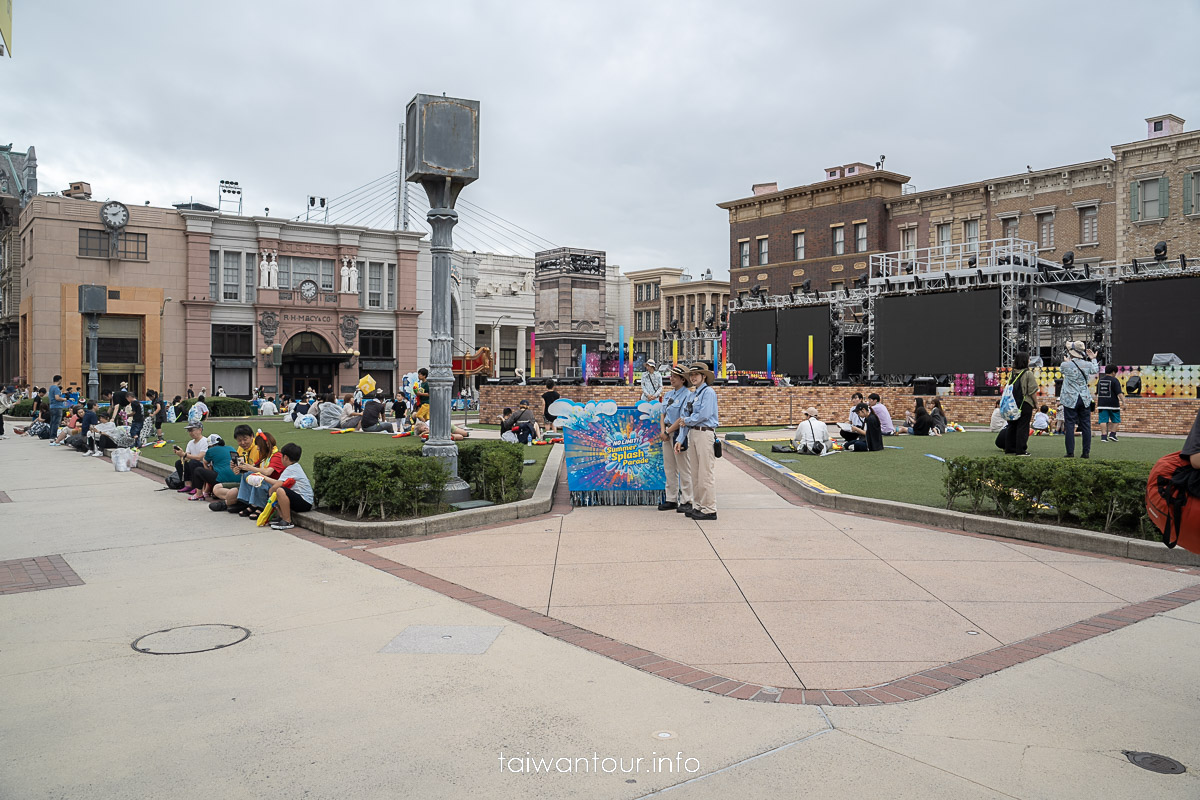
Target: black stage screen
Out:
[793,328]
[932,334]
[1156,316]
[749,334]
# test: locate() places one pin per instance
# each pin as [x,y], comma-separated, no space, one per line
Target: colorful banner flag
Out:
[612,453]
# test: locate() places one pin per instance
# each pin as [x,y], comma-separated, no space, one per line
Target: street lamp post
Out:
[496,343]
[161,363]
[442,154]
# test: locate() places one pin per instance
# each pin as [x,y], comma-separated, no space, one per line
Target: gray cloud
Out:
[612,125]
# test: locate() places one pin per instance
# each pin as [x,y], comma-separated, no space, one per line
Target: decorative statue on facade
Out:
[273,271]
[528,281]
[353,278]
[264,272]
[345,274]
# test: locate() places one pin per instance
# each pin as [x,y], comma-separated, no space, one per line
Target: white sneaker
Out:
[97,454]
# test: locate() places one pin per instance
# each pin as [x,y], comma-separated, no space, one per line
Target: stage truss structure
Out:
[1038,298]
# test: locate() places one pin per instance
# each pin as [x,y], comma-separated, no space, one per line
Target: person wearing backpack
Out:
[1024,391]
[1077,401]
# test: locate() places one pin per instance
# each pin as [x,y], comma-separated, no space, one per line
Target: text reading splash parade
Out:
[613,454]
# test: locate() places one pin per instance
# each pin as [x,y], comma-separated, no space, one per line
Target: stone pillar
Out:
[522,343]
[495,350]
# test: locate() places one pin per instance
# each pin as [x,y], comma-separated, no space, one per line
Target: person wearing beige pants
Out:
[675,465]
[699,430]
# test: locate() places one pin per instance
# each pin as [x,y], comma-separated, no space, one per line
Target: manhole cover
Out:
[188,639]
[1154,762]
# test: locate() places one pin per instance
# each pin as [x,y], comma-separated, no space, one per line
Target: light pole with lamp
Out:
[161,350]
[496,346]
[442,154]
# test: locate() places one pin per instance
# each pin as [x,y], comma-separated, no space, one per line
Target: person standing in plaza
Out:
[1025,389]
[58,404]
[651,382]
[1077,368]
[698,429]
[1109,401]
[679,478]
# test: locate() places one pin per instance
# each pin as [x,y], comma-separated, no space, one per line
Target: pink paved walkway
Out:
[783,595]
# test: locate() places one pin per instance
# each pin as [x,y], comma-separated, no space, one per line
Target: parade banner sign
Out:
[613,454]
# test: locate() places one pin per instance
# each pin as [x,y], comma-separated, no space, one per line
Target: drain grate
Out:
[189,639]
[1154,762]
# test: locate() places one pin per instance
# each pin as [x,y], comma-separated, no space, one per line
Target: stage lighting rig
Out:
[806,287]
[1160,252]
[972,261]
[1068,259]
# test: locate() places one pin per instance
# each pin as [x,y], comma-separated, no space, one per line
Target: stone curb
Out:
[329,525]
[1088,541]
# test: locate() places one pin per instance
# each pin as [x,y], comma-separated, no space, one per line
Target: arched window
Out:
[305,343]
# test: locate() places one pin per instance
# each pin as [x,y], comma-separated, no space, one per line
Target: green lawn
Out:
[909,476]
[313,442]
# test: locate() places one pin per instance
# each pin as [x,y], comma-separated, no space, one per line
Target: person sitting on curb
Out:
[70,426]
[258,457]
[527,428]
[218,469]
[192,458]
[292,490]
[812,435]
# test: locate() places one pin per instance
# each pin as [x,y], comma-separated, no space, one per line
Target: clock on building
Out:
[308,290]
[114,215]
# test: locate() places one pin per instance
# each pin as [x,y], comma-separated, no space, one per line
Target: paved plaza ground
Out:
[334,695]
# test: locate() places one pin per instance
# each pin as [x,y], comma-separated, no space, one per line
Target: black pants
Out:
[203,476]
[525,432]
[187,471]
[101,442]
[1016,439]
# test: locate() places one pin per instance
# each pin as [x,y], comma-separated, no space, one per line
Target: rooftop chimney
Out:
[1165,125]
[765,188]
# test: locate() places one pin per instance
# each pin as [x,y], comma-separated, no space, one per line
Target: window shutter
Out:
[1162,197]
[1187,192]
[1134,188]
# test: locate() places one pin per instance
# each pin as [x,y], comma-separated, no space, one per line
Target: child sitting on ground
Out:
[292,490]
[1041,422]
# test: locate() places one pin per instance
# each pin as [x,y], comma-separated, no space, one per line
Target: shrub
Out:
[493,468]
[22,409]
[384,484]
[228,407]
[1099,495]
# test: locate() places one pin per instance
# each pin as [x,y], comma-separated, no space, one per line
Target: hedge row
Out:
[399,483]
[1107,496]
[223,406]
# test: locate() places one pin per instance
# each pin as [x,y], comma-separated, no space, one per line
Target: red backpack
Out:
[1173,501]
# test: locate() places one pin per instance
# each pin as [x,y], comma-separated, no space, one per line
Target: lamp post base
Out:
[457,491]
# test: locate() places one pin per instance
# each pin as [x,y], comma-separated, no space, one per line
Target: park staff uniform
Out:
[652,384]
[699,430]
[675,465]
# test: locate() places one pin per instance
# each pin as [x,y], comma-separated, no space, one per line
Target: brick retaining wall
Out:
[778,405]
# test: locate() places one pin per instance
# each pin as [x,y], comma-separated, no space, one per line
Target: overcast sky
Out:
[609,125]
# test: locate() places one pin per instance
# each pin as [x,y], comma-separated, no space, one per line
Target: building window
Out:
[762,251]
[839,240]
[214,276]
[971,235]
[657,320]
[251,272]
[93,243]
[1010,227]
[327,274]
[232,276]
[303,269]
[1149,199]
[743,296]
[656,291]
[1045,224]
[639,293]
[118,341]
[376,344]
[389,300]
[798,245]
[132,246]
[508,360]
[232,341]
[1089,229]
[285,272]
[375,285]
[908,242]
[837,286]
[744,254]
[943,238]
[860,237]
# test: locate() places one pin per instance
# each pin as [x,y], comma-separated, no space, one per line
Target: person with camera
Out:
[679,477]
[698,433]
[1077,369]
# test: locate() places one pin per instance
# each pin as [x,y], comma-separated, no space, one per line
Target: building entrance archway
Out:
[308,363]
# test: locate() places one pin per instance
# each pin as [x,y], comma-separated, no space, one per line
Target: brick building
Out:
[823,232]
[18,186]
[649,317]
[1158,191]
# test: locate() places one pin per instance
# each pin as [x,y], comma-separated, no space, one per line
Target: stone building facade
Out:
[650,318]
[824,232]
[18,186]
[662,295]
[1158,191]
